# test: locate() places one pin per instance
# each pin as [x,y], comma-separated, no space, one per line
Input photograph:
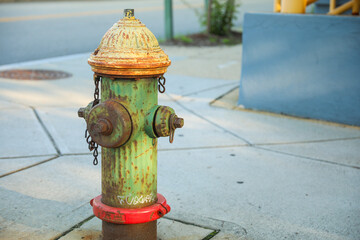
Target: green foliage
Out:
[184,39]
[226,41]
[221,17]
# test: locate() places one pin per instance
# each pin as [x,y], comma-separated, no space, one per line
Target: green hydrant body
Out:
[126,123]
[130,172]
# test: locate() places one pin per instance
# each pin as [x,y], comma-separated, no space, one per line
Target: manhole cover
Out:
[28,74]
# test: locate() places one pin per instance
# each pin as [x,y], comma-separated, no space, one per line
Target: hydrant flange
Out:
[130,216]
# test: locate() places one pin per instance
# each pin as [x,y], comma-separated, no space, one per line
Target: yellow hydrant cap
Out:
[129,49]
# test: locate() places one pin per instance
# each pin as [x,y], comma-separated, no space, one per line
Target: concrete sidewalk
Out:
[230,174]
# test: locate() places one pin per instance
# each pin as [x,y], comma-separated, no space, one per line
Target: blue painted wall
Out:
[302,65]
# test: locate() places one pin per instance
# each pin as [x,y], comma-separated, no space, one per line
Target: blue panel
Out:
[302,65]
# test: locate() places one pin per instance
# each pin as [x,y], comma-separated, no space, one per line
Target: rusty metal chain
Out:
[93,146]
[97,90]
[161,86]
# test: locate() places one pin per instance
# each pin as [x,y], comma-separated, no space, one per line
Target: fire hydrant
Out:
[126,122]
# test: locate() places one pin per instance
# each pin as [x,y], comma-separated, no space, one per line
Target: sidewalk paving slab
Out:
[22,134]
[271,195]
[43,201]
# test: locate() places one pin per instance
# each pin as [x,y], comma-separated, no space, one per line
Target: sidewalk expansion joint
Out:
[29,156]
[309,141]
[46,131]
[27,167]
[307,158]
[209,223]
[190,223]
[212,88]
[223,95]
[203,147]
[78,154]
[78,225]
[211,235]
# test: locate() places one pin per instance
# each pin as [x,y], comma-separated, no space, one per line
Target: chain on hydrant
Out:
[126,121]
[161,85]
[93,146]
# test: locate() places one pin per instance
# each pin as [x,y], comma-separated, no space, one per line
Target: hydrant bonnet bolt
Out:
[103,126]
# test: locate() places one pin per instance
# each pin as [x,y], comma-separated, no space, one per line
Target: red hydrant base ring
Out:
[130,216]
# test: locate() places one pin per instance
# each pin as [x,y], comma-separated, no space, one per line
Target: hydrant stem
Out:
[129,13]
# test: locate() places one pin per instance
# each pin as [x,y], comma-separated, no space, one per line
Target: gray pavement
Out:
[248,175]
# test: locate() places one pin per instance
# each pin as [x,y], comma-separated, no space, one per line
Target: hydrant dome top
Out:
[129,49]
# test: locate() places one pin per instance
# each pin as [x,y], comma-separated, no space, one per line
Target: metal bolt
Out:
[103,126]
[178,122]
[81,112]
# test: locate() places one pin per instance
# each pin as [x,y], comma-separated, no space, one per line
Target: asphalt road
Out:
[38,30]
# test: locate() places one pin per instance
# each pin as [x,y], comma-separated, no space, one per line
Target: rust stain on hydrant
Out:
[126,122]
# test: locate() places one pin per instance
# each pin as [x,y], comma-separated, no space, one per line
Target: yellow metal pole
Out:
[310,2]
[342,8]
[356,6]
[277,5]
[332,5]
[293,6]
